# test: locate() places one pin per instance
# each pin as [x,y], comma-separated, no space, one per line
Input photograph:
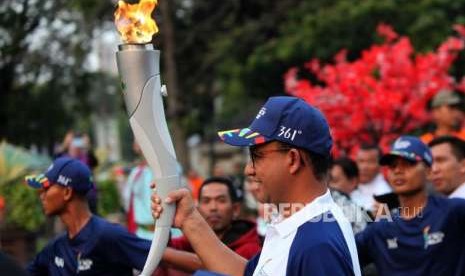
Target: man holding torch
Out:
[290,148]
[290,145]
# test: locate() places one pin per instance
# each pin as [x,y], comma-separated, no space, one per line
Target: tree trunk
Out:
[175,106]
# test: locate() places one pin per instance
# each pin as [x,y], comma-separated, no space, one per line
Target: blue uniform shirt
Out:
[317,240]
[432,243]
[100,248]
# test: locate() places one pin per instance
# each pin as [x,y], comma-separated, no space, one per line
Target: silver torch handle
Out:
[139,69]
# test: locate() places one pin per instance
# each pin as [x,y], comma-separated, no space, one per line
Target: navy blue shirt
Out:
[100,248]
[433,243]
[318,248]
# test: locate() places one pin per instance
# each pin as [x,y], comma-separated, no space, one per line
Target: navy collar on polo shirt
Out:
[84,236]
[418,219]
[317,207]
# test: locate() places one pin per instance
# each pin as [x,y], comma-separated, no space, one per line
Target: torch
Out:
[138,66]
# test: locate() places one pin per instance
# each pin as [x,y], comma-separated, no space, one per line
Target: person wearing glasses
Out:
[290,145]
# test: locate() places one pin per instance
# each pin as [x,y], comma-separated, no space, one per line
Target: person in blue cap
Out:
[290,153]
[427,234]
[90,245]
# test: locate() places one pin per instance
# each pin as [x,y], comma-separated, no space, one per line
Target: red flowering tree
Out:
[382,94]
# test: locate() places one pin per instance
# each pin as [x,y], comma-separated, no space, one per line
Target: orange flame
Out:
[134,21]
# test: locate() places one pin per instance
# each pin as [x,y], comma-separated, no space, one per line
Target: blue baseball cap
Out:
[410,148]
[64,171]
[286,119]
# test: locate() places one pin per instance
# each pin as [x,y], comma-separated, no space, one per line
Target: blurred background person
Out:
[343,180]
[427,234]
[218,170]
[344,175]
[194,181]
[372,182]
[447,111]
[62,149]
[219,205]
[80,148]
[448,169]
[136,196]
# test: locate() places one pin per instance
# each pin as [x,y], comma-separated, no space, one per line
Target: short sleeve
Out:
[321,259]
[126,248]
[363,241]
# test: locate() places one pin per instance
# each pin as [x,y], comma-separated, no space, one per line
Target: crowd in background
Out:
[358,184]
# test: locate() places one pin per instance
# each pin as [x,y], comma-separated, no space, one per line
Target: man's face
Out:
[340,182]
[52,199]
[367,163]
[406,177]
[447,172]
[216,206]
[447,116]
[266,171]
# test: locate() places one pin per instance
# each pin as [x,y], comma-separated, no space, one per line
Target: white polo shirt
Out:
[363,194]
[316,240]
[459,192]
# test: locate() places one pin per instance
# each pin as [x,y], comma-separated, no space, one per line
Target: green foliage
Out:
[108,198]
[23,208]
[44,46]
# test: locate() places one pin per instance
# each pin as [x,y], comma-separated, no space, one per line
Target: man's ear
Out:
[294,160]
[69,192]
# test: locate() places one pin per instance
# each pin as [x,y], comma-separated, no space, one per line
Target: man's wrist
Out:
[192,222]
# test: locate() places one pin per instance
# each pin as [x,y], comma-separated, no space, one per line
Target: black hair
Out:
[457,145]
[372,146]
[222,180]
[320,164]
[348,166]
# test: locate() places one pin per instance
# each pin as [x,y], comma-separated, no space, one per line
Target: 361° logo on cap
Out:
[288,133]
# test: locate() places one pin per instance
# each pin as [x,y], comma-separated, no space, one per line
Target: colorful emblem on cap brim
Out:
[37,181]
[242,137]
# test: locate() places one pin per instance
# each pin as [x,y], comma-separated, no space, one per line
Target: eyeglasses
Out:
[256,154]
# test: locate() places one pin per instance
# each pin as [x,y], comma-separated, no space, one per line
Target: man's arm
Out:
[212,252]
[182,260]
